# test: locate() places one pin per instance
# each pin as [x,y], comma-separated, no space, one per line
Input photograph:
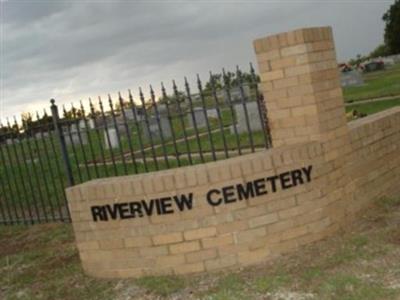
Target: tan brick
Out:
[201,255]
[268,55]
[129,273]
[112,244]
[281,204]
[284,247]
[280,226]
[285,82]
[153,251]
[190,268]
[89,245]
[184,247]
[200,233]
[263,220]
[168,181]
[221,240]
[232,226]
[304,110]
[252,257]
[170,260]
[264,66]
[168,238]
[293,233]
[250,235]
[294,50]
[219,263]
[269,76]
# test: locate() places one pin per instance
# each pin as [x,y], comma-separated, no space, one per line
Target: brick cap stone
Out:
[292,38]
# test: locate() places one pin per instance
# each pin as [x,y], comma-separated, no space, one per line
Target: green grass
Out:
[32,171]
[377,84]
[374,107]
[352,288]
[162,285]
[269,283]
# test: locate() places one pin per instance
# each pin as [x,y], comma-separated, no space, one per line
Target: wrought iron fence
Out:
[126,135]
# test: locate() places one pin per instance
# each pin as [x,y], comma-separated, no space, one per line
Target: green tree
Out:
[392,28]
[381,50]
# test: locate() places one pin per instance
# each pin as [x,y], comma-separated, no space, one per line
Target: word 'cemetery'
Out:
[214,197]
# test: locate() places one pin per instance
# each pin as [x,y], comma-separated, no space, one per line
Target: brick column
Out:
[301,86]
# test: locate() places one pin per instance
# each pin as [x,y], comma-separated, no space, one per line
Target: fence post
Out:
[64,152]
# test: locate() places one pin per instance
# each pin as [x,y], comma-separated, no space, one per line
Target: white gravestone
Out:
[212,113]
[235,93]
[89,125]
[71,136]
[155,130]
[351,78]
[111,138]
[200,119]
[253,117]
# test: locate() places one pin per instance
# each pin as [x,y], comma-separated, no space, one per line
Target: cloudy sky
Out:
[72,50]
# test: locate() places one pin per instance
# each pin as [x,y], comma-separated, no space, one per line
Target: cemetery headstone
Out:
[39,135]
[235,93]
[253,117]
[212,113]
[351,78]
[199,118]
[154,129]
[71,136]
[111,140]
[91,124]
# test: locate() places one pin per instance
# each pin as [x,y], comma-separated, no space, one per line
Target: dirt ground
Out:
[41,262]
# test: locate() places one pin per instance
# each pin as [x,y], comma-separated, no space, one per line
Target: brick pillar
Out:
[301,86]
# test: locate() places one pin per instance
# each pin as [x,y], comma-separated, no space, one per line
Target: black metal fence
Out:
[44,153]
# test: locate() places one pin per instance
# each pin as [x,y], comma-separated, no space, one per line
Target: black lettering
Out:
[273,179]
[210,200]
[259,186]
[297,177]
[136,209]
[158,206]
[184,201]
[98,213]
[166,205]
[245,191]
[124,211]
[285,180]
[112,210]
[148,207]
[307,172]
[229,194]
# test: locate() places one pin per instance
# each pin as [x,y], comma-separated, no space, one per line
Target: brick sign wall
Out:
[249,209]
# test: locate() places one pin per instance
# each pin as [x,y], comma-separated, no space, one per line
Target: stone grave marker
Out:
[72,136]
[155,130]
[253,117]
[351,78]
[198,114]
[111,141]
[212,113]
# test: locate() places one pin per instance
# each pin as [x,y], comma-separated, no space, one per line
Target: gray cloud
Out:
[71,50]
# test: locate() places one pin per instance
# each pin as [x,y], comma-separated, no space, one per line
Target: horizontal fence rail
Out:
[128,134]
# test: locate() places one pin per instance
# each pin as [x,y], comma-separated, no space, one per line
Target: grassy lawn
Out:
[374,107]
[377,84]
[32,173]
[363,263]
